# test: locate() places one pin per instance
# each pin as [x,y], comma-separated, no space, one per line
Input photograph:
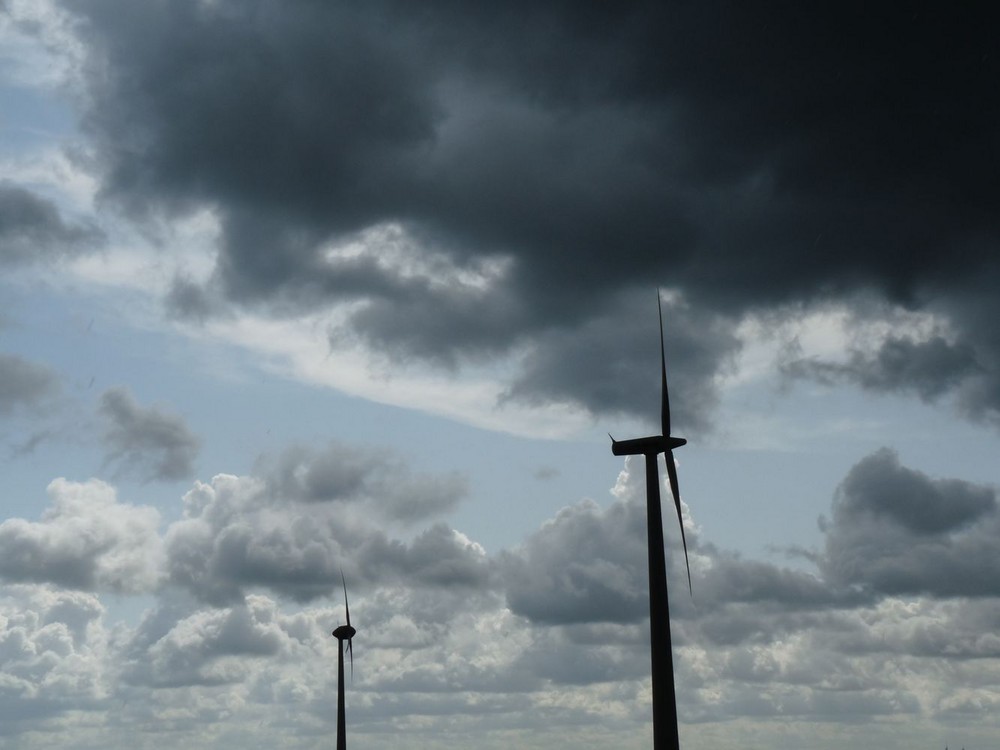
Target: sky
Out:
[290,290]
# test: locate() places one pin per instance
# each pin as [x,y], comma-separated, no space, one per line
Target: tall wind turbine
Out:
[664,695]
[342,633]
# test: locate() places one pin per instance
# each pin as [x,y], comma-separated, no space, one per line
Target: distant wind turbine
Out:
[342,633]
[664,695]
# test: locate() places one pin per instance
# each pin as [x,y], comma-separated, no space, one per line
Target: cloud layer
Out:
[547,638]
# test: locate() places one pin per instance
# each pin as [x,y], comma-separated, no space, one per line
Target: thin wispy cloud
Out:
[146,441]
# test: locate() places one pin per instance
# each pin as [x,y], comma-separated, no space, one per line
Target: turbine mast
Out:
[660,641]
[343,633]
[665,735]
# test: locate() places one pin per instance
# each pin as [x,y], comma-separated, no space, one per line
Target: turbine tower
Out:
[342,633]
[664,697]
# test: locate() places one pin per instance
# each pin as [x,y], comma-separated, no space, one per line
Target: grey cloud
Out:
[897,531]
[31,228]
[29,444]
[445,641]
[586,565]
[545,473]
[442,322]
[879,486]
[438,556]
[377,479]
[85,540]
[894,532]
[929,368]
[731,580]
[578,145]
[147,441]
[554,656]
[171,648]
[237,535]
[190,301]
[23,383]
[625,377]
[52,648]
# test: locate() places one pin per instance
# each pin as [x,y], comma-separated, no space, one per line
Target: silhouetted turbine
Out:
[344,632]
[661,649]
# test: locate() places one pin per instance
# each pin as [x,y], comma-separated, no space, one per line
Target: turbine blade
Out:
[675,490]
[350,651]
[664,398]
[347,609]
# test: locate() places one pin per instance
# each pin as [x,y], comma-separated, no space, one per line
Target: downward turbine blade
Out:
[347,609]
[350,651]
[664,399]
[675,490]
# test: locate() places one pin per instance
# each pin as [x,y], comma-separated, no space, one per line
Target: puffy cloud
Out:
[147,441]
[447,646]
[898,531]
[211,647]
[585,565]
[23,383]
[236,534]
[760,640]
[86,540]
[52,657]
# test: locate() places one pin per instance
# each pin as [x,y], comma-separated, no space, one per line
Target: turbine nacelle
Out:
[344,633]
[646,446]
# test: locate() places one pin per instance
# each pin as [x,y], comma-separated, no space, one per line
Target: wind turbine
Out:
[342,633]
[664,695]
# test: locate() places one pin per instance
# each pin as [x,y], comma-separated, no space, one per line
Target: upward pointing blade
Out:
[664,399]
[346,608]
[675,490]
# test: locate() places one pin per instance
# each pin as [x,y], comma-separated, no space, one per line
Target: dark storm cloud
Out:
[897,531]
[146,441]
[562,364]
[31,228]
[929,368]
[747,153]
[23,383]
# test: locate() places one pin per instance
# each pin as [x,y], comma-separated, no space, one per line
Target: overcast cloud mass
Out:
[555,157]
[299,290]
